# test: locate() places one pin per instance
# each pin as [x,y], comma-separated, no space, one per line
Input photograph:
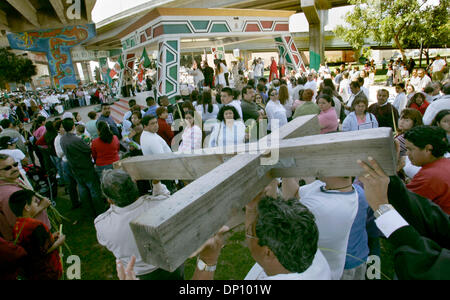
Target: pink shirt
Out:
[39,132]
[328,120]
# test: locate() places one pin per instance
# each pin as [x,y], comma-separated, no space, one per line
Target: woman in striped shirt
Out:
[192,136]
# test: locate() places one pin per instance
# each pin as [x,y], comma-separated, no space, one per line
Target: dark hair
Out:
[145,120]
[207,99]
[289,230]
[327,82]
[401,85]
[360,98]
[57,125]
[327,98]
[19,199]
[440,116]
[160,110]
[92,115]
[104,132]
[414,98]
[188,104]
[428,89]
[5,123]
[220,115]
[245,89]
[423,135]
[283,94]
[412,114]
[68,124]
[355,84]
[149,99]
[131,103]
[50,134]
[227,90]
[307,92]
[105,104]
[194,97]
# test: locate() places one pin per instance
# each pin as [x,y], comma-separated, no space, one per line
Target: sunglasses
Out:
[14,165]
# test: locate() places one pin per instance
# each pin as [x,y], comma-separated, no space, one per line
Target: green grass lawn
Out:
[97,263]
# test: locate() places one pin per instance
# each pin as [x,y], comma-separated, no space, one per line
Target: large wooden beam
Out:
[168,234]
[3,20]
[192,166]
[59,8]
[27,10]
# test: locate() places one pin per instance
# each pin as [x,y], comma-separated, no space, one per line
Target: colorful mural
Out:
[288,50]
[56,43]
[168,68]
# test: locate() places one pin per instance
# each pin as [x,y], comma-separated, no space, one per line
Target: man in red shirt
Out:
[426,146]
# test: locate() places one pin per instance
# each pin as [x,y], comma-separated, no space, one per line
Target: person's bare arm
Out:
[290,188]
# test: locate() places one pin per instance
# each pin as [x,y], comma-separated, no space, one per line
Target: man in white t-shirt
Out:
[334,203]
[437,68]
[151,143]
[226,96]
[311,84]
[113,226]
[283,250]
[424,80]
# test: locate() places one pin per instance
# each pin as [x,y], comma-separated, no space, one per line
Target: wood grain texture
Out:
[172,231]
[192,166]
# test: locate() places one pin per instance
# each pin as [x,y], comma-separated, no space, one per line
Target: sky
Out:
[106,8]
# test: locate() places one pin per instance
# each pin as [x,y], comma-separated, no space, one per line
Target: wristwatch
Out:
[382,209]
[202,266]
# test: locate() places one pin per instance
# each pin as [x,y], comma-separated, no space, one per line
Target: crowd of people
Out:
[330,226]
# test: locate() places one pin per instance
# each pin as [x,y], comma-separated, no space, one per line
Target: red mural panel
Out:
[130,56]
[297,60]
[293,48]
[282,27]
[267,24]
[158,31]
[143,38]
[148,31]
[287,39]
[252,28]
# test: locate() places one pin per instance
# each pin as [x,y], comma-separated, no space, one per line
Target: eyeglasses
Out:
[273,94]
[14,165]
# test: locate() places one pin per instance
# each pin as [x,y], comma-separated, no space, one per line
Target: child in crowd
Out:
[43,261]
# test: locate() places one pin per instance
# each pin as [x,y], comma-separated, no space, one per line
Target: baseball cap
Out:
[67,115]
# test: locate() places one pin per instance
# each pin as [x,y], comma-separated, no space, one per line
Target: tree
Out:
[385,21]
[15,68]
[430,30]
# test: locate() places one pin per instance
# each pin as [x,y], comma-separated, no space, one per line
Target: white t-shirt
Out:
[334,212]
[276,111]
[16,154]
[319,270]
[400,102]
[152,143]
[438,65]
[223,136]
[114,232]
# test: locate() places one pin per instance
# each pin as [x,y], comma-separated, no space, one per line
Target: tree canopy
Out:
[15,68]
[407,23]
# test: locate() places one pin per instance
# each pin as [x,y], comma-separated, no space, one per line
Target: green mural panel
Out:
[173,72]
[176,28]
[219,28]
[169,57]
[314,61]
[173,44]
[200,25]
[169,87]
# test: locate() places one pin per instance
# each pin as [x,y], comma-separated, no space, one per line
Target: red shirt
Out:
[165,131]
[433,182]
[35,237]
[105,154]
[421,108]
[11,259]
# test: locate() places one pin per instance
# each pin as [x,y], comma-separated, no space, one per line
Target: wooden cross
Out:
[225,182]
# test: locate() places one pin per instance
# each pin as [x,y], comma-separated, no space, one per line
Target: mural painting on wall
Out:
[56,43]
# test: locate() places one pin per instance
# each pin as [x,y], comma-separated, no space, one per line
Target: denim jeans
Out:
[100,169]
[71,184]
[90,192]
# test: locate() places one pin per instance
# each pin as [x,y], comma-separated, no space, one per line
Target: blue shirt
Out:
[358,241]
[151,111]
